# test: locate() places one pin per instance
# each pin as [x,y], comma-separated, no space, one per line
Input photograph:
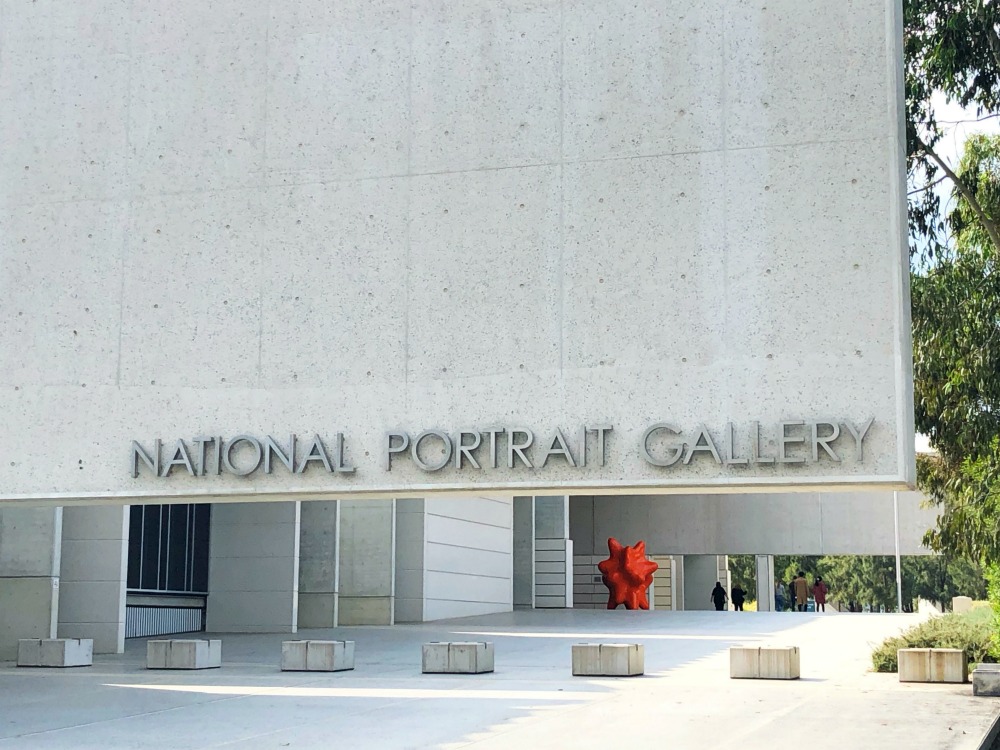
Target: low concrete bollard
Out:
[914,664]
[608,659]
[317,656]
[764,663]
[932,665]
[180,653]
[960,604]
[744,662]
[55,652]
[986,680]
[457,657]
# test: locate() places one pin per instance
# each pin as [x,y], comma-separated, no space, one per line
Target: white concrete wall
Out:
[546,211]
[468,557]
[792,523]
[319,530]
[93,576]
[366,557]
[30,550]
[253,568]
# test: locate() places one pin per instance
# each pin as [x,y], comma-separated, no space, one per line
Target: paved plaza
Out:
[685,700]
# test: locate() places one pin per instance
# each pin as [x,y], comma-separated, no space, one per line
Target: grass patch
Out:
[971,631]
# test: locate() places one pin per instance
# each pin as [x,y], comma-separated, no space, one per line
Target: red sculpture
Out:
[627,574]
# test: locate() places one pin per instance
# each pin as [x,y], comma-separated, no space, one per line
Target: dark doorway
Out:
[167,569]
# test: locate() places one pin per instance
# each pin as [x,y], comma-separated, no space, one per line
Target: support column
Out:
[410,560]
[765,583]
[93,575]
[553,553]
[524,552]
[253,572]
[318,569]
[367,562]
[30,550]
[679,583]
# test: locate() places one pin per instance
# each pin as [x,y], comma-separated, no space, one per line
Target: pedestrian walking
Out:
[801,587]
[820,590]
[719,597]
[780,594]
[739,596]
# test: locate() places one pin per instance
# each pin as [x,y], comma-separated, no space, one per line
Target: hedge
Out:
[972,631]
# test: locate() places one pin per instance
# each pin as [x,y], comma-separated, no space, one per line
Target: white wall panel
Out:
[469,533]
[468,563]
[858,523]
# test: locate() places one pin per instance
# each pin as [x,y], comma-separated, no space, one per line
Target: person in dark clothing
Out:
[719,596]
[738,596]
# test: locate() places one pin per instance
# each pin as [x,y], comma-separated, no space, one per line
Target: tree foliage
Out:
[956,358]
[871,580]
[951,53]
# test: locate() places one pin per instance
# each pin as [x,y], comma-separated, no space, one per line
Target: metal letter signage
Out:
[793,442]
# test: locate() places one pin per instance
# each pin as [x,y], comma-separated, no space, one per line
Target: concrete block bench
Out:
[961,604]
[180,653]
[608,659]
[764,663]
[986,680]
[457,657]
[317,656]
[55,652]
[932,665]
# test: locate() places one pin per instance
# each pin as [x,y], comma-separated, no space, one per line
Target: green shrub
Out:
[971,631]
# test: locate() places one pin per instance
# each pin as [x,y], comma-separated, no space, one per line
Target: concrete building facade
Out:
[355,312]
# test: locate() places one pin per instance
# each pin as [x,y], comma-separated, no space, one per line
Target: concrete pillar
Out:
[318,569]
[553,553]
[679,583]
[253,572]
[409,563]
[524,552]
[700,574]
[30,550]
[366,552]
[93,575]
[765,583]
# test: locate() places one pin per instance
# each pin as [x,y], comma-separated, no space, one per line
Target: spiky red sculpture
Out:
[627,574]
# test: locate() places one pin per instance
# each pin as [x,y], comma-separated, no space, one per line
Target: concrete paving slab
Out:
[685,700]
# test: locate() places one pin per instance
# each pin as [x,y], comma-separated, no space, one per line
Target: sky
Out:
[964,125]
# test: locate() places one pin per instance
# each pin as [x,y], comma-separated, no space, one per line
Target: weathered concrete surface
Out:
[530,701]
[548,211]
